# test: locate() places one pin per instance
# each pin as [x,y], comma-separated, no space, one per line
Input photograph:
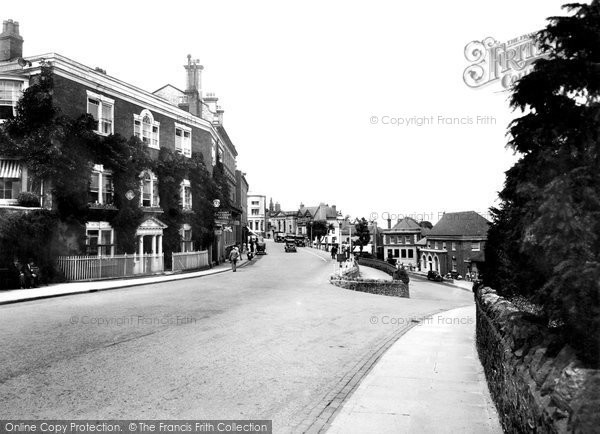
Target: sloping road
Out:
[272,341]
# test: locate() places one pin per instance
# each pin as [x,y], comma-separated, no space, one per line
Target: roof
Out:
[171,86]
[407,224]
[465,223]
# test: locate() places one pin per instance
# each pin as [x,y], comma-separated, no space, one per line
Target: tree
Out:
[363,233]
[425,224]
[319,229]
[544,241]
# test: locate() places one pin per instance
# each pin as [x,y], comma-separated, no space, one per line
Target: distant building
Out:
[456,243]
[400,242]
[241,186]
[257,214]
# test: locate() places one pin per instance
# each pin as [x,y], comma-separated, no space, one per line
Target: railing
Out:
[190,260]
[77,268]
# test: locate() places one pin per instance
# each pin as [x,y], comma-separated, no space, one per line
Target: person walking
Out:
[233,257]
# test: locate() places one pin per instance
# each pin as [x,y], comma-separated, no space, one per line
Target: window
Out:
[403,253]
[102,109]
[6,189]
[453,245]
[187,245]
[146,129]
[476,246]
[10,181]
[100,239]
[389,253]
[396,253]
[435,245]
[407,240]
[186,194]
[183,140]
[429,244]
[254,212]
[101,186]
[410,253]
[10,93]
[254,203]
[444,245]
[149,187]
[213,152]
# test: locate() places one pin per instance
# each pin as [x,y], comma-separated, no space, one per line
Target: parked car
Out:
[300,241]
[435,276]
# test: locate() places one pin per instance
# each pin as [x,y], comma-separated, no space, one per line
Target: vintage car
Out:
[290,245]
[435,276]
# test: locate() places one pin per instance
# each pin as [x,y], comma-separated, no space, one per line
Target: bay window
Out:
[100,239]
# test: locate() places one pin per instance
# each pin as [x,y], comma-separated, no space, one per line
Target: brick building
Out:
[182,121]
[456,243]
[400,241]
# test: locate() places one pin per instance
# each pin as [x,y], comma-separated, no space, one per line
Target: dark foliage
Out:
[544,242]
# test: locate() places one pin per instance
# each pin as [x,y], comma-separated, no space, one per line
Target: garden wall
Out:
[537,383]
[394,288]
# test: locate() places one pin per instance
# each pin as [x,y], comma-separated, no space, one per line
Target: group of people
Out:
[334,251]
[27,275]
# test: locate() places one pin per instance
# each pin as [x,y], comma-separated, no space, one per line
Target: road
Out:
[271,341]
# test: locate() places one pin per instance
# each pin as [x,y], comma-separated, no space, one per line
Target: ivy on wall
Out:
[62,151]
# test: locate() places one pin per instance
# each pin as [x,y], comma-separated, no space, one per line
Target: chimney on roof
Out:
[11,43]
[389,223]
[193,88]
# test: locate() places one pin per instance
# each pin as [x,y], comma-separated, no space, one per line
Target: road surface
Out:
[272,341]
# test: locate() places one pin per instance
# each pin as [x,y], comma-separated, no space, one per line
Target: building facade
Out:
[400,242]
[456,243]
[181,121]
[258,214]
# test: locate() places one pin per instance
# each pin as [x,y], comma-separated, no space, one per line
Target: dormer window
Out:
[146,129]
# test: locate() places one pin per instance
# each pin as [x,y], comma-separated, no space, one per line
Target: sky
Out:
[311,89]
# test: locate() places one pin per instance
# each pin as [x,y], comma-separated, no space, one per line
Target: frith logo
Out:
[492,61]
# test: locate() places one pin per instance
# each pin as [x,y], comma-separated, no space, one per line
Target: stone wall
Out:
[377,264]
[394,288]
[537,382]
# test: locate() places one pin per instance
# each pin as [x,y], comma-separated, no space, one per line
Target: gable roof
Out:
[406,224]
[465,223]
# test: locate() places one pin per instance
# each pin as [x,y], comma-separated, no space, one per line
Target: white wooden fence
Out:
[190,260]
[106,267]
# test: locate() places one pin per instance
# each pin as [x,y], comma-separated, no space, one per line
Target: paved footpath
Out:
[62,289]
[429,381]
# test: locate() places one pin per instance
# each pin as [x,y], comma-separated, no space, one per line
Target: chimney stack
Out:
[11,43]
[389,223]
[193,89]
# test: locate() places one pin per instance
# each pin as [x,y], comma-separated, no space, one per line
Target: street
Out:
[270,341]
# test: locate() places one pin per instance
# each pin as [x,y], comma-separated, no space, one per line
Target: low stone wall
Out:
[377,264]
[537,383]
[394,288]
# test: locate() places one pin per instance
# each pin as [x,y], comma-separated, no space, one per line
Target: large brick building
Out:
[400,242]
[182,121]
[455,243]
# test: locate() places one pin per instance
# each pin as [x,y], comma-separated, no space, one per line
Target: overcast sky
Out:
[300,83]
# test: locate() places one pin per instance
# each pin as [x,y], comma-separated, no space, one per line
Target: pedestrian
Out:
[233,257]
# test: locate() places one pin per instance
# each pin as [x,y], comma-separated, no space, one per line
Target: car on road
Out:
[290,245]
[435,276]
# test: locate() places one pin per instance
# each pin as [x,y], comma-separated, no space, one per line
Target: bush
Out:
[29,200]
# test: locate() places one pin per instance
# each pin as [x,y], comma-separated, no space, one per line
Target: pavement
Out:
[429,381]
[71,288]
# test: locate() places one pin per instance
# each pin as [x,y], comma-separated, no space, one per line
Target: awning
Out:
[10,169]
